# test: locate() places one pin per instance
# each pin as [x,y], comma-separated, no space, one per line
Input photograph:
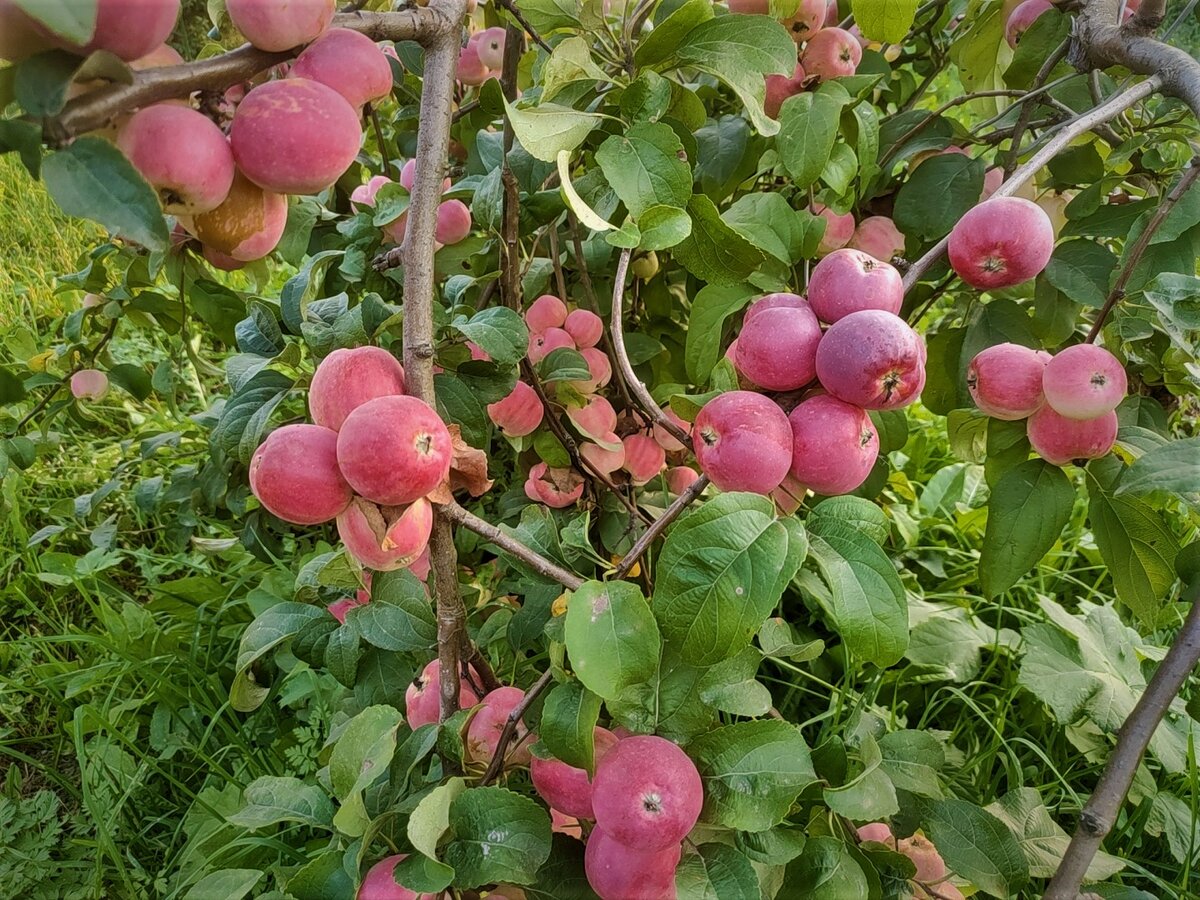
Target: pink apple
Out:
[1001,242]
[542,344]
[835,445]
[743,442]
[750,7]
[349,62]
[567,788]
[680,478]
[544,313]
[380,883]
[616,871]
[774,301]
[596,419]
[879,832]
[385,538]
[993,178]
[930,865]
[780,87]
[665,439]
[599,368]
[584,327]
[872,359]
[603,459]
[1021,18]
[831,53]
[1084,382]
[348,378]
[879,236]
[1059,440]
[647,793]
[394,450]
[777,348]
[518,414]
[490,47]
[839,229]
[644,458]
[294,474]
[280,26]
[89,384]
[483,734]
[182,154]
[471,70]
[807,20]
[422,700]
[848,280]
[1006,381]
[453,222]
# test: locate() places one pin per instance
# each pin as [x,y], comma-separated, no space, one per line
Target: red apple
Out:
[848,280]
[835,445]
[1084,382]
[872,359]
[1001,242]
[1006,381]
[1059,440]
[743,442]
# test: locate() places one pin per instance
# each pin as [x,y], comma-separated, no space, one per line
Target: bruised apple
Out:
[248,223]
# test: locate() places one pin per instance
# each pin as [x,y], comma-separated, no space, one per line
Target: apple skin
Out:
[680,478]
[750,7]
[349,62]
[248,223]
[665,439]
[544,313]
[839,229]
[542,344]
[618,872]
[848,280]
[394,450]
[603,459]
[879,832]
[294,136]
[471,70]
[348,378]
[807,20]
[1084,382]
[483,734]
[584,327]
[453,222]
[491,47]
[777,348]
[647,793]
[835,445]
[518,414]
[780,87]
[930,865]
[1022,18]
[872,359]
[878,236]
[831,53]
[599,368]
[1060,440]
[280,26]
[295,475]
[422,700]
[644,458]
[1001,242]
[380,883]
[743,442]
[182,154]
[565,787]
[1005,381]
[127,28]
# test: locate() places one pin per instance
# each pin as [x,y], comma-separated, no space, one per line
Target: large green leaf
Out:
[808,127]
[549,128]
[363,750]
[711,306]
[824,870]
[1041,839]
[269,629]
[884,20]
[669,33]
[1173,467]
[271,799]
[568,724]
[976,846]
[715,252]
[1081,270]
[722,570]
[716,872]
[500,331]
[752,772]
[225,884]
[496,835]
[1027,511]
[644,167]
[611,636]
[399,616]
[937,195]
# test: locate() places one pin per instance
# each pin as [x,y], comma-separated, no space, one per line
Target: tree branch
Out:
[1097,817]
[97,108]
[1014,152]
[509,544]
[1116,105]
[670,514]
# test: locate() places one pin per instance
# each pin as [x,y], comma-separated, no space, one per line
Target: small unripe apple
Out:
[1084,381]
[807,20]
[556,488]
[665,439]
[542,344]
[645,266]
[839,229]
[616,871]
[878,236]
[831,53]
[647,793]
[89,384]
[380,883]
[644,458]
[394,450]
[385,538]
[605,460]
[490,47]
[408,176]
[848,280]
[248,223]
[777,348]
[834,447]
[348,378]
[780,87]
[349,62]
[1001,242]
[518,414]
[295,476]
[872,359]
[1022,18]
[743,442]
[182,154]
[544,313]
[1005,381]
[280,26]
[568,788]
[422,700]
[599,368]
[294,136]
[680,478]
[483,734]
[584,327]
[1059,440]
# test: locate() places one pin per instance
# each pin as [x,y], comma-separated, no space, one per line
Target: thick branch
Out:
[1101,810]
[1116,105]
[670,514]
[509,544]
[96,109]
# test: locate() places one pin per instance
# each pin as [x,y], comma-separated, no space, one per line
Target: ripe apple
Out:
[518,414]
[349,62]
[879,832]
[743,442]
[930,865]
[385,538]
[646,793]
[490,48]
[89,384]
[584,327]
[616,871]
[542,344]
[665,439]
[471,70]
[780,87]
[872,359]
[807,20]
[182,154]
[603,459]
[544,313]
[394,450]
[483,734]
[680,478]
[597,419]
[348,378]
[599,368]
[839,229]
[879,236]
[777,347]
[380,883]
[568,788]
[1022,18]
[848,280]
[422,700]
[1006,381]
[644,458]
[831,53]
[248,223]
[1084,381]
[294,474]
[1001,242]
[453,222]
[127,28]
[835,445]
[1059,440]
[280,26]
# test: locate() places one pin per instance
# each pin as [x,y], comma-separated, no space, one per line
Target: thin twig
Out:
[1014,152]
[373,115]
[510,217]
[511,8]
[511,545]
[1100,812]
[510,726]
[670,514]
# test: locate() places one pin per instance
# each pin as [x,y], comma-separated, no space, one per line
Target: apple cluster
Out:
[370,458]
[868,358]
[931,876]
[1069,399]
[453,216]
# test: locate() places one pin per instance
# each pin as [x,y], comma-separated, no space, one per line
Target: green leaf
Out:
[911,759]
[1027,511]
[668,705]
[25,139]
[714,252]
[41,82]
[866,599]
[546,130]
[771,225]
[824,870]
[569,722]
[721,571]
[886,21]
[752,772]
[363,750]
[399,617]
[570,62]
[611,636]
[731,687]
[711,306]
[563,876]
[496,836]
[563,364]
[500,331]
[74,20]
[976,846]
[457,403]
[93,180]
[246,415]
[12,388]
[662,227]
[808,128]
[667,35]
[645,167]
[272,799]
[741,51]
[855,512]
[269,629]
[937,195]
[1041,839]
[321,878]
[716,872]
[1081,269]
[1173,467]
[870,794]
[431,817]
[226,884]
